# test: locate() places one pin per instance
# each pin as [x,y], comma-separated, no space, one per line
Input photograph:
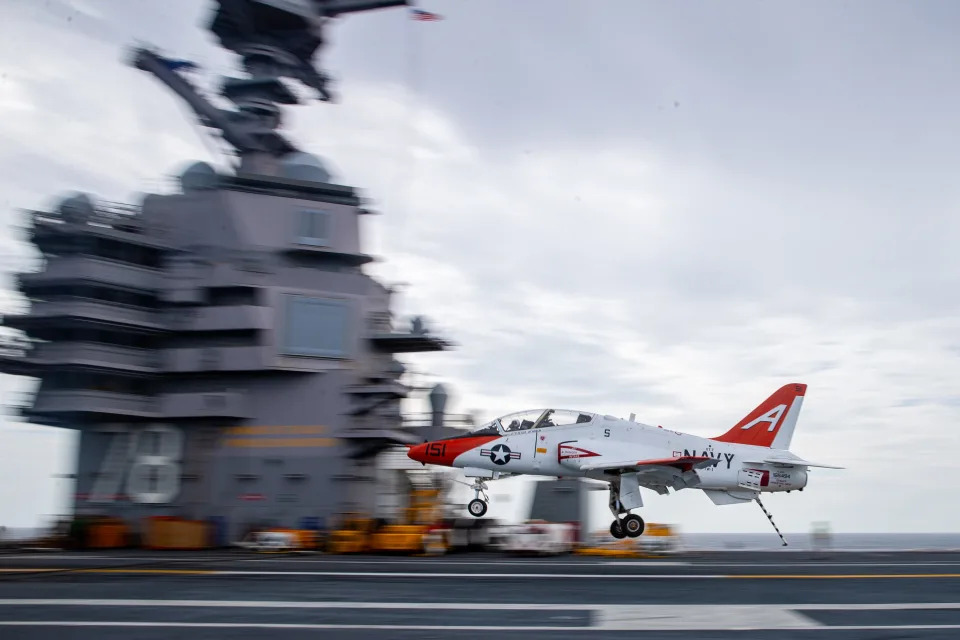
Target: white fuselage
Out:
[610,439]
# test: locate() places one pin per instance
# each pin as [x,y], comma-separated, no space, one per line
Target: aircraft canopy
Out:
[538,419]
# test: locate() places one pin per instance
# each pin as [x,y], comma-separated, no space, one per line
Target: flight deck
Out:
[703,595]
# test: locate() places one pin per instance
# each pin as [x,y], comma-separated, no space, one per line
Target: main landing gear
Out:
[478,506]
[629,525]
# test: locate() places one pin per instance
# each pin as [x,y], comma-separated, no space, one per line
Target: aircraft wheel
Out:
[477,507]
[616,530]
[632,525]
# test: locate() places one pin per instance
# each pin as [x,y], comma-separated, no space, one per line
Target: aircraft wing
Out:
[681,463]
[789,460]
[658,474]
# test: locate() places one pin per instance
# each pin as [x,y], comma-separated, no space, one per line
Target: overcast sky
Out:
[667,208]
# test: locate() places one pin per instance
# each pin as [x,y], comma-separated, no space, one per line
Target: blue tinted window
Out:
[316,327]
[313,227]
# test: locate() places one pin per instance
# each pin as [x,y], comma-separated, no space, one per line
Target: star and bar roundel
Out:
[500,454]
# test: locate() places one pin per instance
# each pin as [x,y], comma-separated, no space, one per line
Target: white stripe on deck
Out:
[262,625]
[282,626]
[710,626]
[694,616]
[504,606]
[606,617]
[295,604]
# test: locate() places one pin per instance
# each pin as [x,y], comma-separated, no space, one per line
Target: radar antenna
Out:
[275,39]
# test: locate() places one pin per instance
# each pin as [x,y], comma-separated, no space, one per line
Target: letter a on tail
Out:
[772,423]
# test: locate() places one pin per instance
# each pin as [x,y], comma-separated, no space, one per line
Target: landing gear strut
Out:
[478,506]
[629,525]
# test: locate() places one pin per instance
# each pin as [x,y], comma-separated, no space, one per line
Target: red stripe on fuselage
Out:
[444,452]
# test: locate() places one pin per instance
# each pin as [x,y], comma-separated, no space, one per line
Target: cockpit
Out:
[535,419]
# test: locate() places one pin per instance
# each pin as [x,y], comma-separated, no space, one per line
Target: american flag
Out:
[425,16]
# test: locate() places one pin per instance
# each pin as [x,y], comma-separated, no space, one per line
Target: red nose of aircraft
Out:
[418,452]
[444,452]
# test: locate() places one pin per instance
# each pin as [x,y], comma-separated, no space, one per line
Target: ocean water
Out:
[833,542]
[16,534]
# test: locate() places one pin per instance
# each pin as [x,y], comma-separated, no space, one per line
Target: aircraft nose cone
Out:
[418,453]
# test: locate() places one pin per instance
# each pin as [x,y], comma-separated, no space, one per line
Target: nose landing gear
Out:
[629,525]
[478,507]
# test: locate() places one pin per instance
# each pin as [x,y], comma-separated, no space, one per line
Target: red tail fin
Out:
[772,423]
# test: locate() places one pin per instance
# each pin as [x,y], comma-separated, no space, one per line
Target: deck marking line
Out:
[932,563]
[28,570]
[876,606]
[261,625]
[532,576]
[606,617]
[831,576]
[363,574]
[504,606]
[714,617]
[708,625]
[480,561]
[276,604]
[418,574]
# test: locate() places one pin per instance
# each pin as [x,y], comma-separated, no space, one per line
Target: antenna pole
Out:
[275,39]
[240,139]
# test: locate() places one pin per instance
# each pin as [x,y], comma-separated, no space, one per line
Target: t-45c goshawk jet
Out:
[736,467]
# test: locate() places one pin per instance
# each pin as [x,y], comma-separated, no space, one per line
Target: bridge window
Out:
[315,327]
[313,228]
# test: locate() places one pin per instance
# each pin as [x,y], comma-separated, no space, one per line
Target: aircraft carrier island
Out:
[221,350]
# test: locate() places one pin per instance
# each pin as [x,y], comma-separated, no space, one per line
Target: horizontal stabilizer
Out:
[788,459]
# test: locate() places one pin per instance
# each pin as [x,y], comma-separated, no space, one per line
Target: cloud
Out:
[586,250]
